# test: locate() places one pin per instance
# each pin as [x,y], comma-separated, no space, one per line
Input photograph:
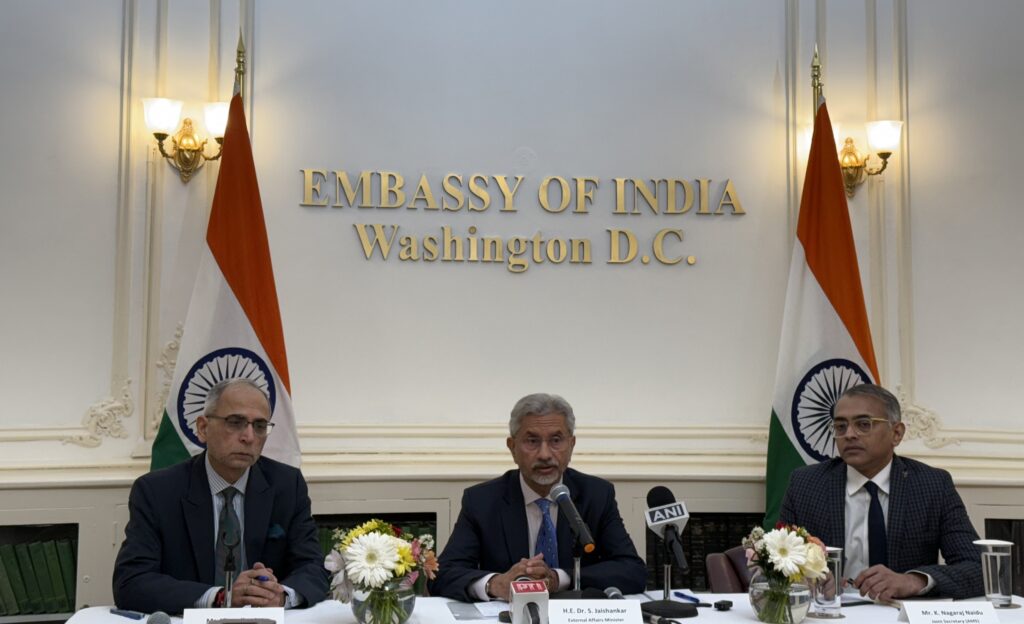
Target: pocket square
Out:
[275,532]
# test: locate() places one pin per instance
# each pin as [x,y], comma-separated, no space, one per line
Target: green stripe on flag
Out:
[168,448]
[783,459]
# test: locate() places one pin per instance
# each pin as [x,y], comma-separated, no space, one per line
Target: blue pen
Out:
[687,597]
[134,615]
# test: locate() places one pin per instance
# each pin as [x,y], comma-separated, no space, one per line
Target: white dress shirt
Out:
[858,503]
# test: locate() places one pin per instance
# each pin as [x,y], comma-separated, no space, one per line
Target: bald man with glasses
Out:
[892,516]
[227,503]
[510,527]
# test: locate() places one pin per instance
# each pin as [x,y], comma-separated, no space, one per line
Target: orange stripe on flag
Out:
[237,237]
[827,238]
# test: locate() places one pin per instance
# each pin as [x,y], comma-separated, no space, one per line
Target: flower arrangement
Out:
[377,566]
[785,556]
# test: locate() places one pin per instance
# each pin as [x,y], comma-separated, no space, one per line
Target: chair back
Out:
[728,572]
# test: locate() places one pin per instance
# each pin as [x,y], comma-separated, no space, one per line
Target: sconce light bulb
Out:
[884,136]
[161,114]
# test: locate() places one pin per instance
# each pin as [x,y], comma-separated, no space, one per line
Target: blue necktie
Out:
[878,550]
[547,538]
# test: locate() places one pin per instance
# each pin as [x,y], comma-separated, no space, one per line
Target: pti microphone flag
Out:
[233,325]
[529,602]
[825,346]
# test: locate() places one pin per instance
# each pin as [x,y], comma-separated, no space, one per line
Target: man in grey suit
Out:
[891,515]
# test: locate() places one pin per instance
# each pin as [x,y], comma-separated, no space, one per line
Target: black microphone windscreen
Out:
[158,617]
[592,593]
[660,495]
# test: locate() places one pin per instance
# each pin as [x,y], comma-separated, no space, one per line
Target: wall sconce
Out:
[883,139]
[188,152]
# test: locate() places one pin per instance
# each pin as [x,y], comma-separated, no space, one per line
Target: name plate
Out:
[239,615]
[594,612]
[929,612]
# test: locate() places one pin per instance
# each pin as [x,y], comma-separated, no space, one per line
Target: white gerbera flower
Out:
[787,551]
[370,559]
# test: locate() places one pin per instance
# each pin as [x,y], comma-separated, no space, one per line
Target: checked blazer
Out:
[926,516]
[491,535]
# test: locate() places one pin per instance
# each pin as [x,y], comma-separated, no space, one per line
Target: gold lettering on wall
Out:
[647,198]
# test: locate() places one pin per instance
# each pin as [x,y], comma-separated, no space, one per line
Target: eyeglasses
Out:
[555,443]
[238,424]
[862,426]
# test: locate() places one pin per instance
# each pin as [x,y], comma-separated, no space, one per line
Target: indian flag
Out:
[233,326]
[826,342]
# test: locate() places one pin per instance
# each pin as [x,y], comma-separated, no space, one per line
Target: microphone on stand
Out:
[158,617]
[667,518]
[528,602]
[561,495]
[229,567]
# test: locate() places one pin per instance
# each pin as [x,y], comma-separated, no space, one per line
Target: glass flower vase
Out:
[776,601]
[383,606]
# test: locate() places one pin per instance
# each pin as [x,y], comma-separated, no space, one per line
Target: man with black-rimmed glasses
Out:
[225,504]
[892,516]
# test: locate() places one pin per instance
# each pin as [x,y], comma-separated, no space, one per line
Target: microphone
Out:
[158,617]
[561,495]
[614,593]
[650,618]
[528,602]
[667,518]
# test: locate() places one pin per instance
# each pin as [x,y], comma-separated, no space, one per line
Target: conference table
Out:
[435,611]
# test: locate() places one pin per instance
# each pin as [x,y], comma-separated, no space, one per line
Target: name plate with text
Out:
[939,612]
[594,612]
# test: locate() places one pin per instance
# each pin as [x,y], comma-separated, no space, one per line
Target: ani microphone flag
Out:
[826,342]
[233,326]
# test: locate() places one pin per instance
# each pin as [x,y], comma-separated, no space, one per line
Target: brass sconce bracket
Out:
[188,151]
[856,167]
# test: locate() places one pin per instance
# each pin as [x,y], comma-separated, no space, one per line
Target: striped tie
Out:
[229,536]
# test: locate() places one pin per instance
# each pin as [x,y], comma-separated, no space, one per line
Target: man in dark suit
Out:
[510,528]
[185,518]
[892,515]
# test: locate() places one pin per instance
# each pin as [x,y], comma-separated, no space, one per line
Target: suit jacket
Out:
[491,535]
[926,516]
[167,559]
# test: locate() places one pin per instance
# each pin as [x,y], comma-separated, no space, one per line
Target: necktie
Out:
[229,535]
[878,550]
[547,538]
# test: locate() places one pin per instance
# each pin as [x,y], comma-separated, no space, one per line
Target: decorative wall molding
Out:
[105,419]
[922,423]
[165,364]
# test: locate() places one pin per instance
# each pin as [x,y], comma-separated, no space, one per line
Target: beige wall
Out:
[670,369]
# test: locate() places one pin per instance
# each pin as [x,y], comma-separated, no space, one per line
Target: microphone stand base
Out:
[669,609]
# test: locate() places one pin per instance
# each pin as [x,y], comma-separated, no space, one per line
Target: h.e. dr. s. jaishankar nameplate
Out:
[594,612]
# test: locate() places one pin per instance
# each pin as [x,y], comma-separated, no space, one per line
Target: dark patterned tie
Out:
[547,538]
[229,535]
[878,550]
